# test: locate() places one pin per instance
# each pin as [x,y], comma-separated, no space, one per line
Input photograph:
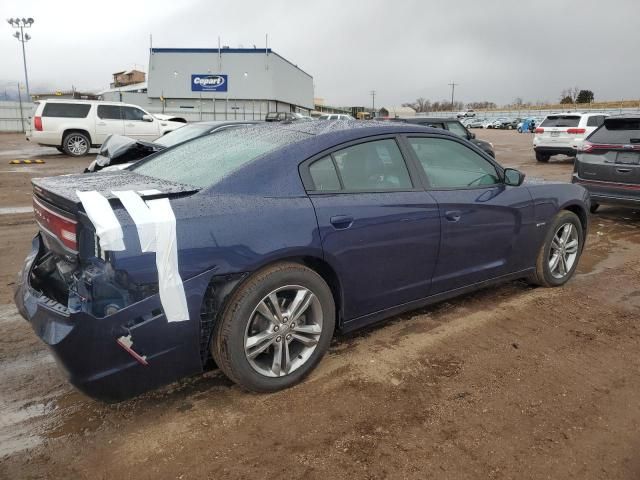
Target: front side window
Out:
[449,164]
[66,110]
[132,113]
[324,175]
[109,112]
[455,127]
[373,166]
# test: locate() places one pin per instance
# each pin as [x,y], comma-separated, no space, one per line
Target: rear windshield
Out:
[204,161]
[66,110]
[561,121]
[182,134]
[623,131]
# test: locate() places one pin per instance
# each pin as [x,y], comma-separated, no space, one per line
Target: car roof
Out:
[218,123]
[624,116]
[97,102]
[428,119]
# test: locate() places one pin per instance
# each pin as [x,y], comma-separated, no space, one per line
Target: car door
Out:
[136,127]
[485,224]
[380,230]
[108,121]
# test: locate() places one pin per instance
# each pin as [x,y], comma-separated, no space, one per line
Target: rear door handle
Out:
[340,222]
[453,215]
[623,170]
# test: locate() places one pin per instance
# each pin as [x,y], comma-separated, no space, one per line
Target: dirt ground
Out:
[509,382]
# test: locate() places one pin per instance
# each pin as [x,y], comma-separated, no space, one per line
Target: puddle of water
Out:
[12,210]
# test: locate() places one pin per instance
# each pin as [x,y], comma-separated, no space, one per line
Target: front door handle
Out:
[623,170]
[453,215]
[340,222]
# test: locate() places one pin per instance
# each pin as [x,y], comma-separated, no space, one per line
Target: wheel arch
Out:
[222,288]
[67,131]
[581,213]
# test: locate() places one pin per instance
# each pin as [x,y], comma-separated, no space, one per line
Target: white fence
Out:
[11,118]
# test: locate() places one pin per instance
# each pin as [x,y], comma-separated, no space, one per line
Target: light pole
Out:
[23,38]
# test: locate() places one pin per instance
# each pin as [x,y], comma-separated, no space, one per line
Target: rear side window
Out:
[595,121]
[109,112]
[561,121]
[449,164]
[373,166]
[617,131]
[66,110]
[324,175]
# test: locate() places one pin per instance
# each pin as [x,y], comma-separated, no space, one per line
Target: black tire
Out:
[76,144]
[542,157]
[228,340]
[543,275]
[60,149]
[594,207]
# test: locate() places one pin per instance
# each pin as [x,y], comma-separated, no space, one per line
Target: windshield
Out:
[204,161]
[182,134]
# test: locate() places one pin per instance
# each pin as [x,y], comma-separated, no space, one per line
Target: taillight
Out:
[37,122]
[539,130]
[586,147]
[576,130]
[63,228]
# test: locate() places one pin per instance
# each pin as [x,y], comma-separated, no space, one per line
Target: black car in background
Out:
[608,162]
[122,151]
[454,126]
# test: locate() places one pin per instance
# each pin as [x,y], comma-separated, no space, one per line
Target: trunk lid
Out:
[65,228]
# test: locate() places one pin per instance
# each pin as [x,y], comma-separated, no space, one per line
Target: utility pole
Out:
[373,100]
[453,86]
[23,38]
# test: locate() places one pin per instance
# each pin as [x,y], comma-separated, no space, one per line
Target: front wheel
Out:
[559,254]
[275,329]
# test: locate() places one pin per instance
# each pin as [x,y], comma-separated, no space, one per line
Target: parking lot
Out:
[508,382]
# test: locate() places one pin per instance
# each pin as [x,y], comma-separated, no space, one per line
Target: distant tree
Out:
[518,101]
[584,96]
[566,100]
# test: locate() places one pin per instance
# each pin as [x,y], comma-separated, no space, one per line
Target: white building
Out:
[219,84]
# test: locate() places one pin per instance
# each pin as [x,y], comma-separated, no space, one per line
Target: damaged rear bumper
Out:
[120,355]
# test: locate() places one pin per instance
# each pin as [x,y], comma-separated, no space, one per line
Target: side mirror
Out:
[472,135]
[147,118]
[513,177]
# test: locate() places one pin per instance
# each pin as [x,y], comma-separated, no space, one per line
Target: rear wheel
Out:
[559,254]
[542,157]
[76,144]
[275,329]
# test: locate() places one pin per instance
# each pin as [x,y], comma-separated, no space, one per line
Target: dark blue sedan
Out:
[254,246]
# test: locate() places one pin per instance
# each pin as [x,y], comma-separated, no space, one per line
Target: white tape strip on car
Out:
[101,215]
[156,219]
[141,216]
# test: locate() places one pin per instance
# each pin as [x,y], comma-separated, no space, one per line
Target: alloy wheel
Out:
[283,331]
[564,250]
[77,145]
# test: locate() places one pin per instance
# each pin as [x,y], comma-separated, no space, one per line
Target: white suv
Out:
[74,126]
[563,133]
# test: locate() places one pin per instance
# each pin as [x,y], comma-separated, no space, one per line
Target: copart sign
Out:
[208,83]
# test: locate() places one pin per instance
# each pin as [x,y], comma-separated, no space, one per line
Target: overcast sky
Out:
[496,50]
